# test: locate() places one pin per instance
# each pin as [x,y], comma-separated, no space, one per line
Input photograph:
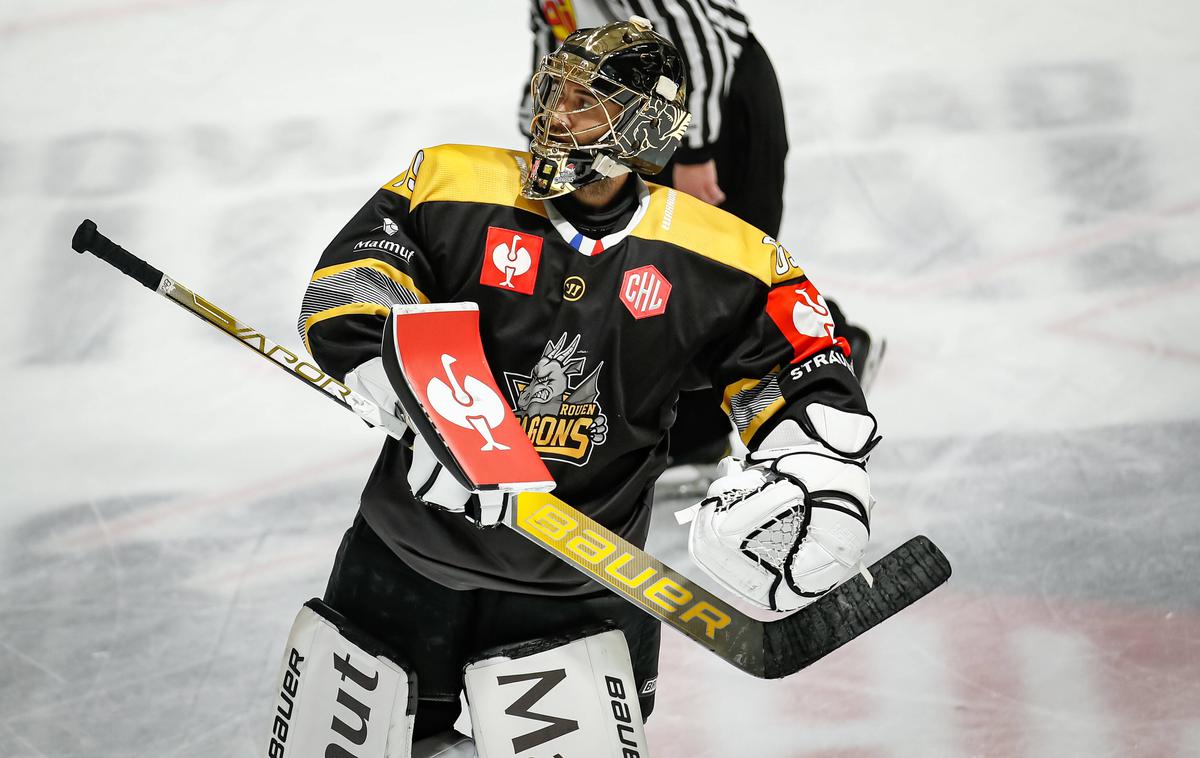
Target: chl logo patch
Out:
[645,291]
[510,260]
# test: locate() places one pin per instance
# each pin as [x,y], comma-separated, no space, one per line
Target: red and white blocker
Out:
[470,452]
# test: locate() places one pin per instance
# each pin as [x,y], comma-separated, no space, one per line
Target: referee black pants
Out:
[436,630]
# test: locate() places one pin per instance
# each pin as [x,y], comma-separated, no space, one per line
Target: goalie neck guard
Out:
[625,84]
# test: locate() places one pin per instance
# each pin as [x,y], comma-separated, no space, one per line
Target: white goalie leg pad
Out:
[339,693]
[573,696]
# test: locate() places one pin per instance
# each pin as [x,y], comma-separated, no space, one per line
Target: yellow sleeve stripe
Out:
[350,309]
[756,423]
[368,295]
[387,269]
[735,388]
[751,413]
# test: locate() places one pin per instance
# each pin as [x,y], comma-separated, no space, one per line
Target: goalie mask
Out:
[608,101]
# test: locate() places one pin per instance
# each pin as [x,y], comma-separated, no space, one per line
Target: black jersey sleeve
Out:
[374,262]
[784,356]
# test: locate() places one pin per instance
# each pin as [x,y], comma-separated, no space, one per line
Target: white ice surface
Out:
[1008,191]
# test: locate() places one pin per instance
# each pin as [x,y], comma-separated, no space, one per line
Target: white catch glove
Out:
[787,524]
[435,486]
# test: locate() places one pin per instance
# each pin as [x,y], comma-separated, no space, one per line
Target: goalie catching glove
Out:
[791,521]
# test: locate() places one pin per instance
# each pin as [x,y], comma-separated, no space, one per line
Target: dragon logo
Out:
[558,406]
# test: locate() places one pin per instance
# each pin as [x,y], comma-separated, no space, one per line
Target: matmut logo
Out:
[645,291]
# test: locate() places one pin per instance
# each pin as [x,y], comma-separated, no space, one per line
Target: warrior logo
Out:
[559,411]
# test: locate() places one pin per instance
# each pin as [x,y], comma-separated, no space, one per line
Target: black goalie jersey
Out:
[592,339]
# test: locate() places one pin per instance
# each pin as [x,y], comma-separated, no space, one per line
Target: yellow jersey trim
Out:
[763,417]
[387,269]
[492,175]
[467,174]
[694,225]
[739,386]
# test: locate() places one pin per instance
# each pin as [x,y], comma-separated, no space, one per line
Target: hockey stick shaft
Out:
[640,578]
[87,238]
[764,649]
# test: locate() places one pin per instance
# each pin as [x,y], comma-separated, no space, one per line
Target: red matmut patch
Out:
[510,260]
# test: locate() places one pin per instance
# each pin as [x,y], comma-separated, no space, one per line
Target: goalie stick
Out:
[765,649]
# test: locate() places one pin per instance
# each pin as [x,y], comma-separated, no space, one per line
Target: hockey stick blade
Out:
[768,650]
[902,577]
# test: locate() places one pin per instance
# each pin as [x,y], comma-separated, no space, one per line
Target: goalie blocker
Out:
[433,357]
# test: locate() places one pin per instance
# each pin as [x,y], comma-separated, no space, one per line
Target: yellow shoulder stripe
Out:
[466,173]
[680,219]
